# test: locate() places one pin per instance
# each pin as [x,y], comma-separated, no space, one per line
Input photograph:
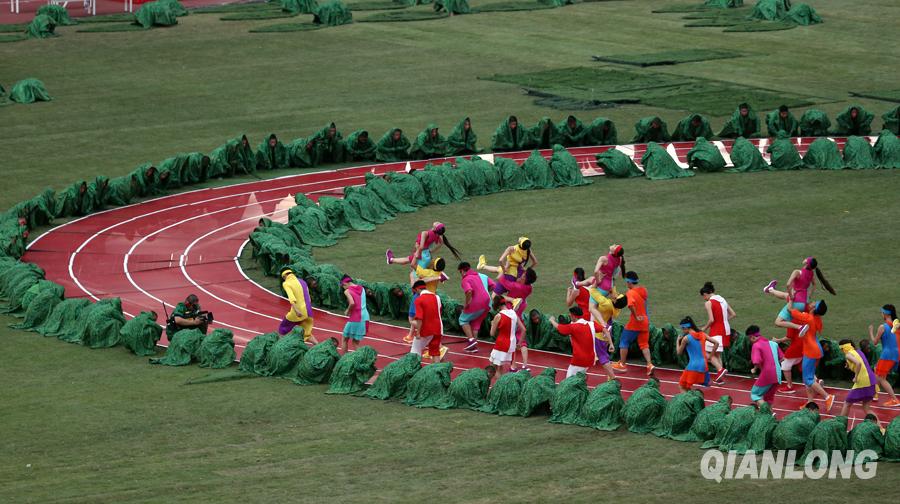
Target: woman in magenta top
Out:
[426,244]
[800,286]
[607,266]
[358,315]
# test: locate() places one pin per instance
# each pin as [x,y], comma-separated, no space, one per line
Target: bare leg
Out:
[646,352]
[817,389]
[777,293]
[883,383]
[524,350]
[344,344]
[716,361]
[866,409]
[846,409]
[623,355]
[610,374]
[787,376]
[491,269]
[467,330]
[780,322]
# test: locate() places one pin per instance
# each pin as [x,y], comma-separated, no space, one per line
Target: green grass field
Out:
[103,426]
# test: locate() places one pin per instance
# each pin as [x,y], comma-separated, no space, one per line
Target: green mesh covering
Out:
[387,299]
[745,157]
[312,226]
[217,349]
[429,143]
[469,390]
[316,365]
[323,147]
[571,136]
[37,211]
[659,165]
[709,420]
[892,441]
[887,150]
[491,174]
[544,134]
[343,216]
[692,127]
[724,4]
[299,6]
[566,171]
[29,91]
[845,125]
[891,120]
[44,296]
[803,15]
[858,154]
[538,171]
[604,408]
[601,131]
[141,334]
[121,190]
[823,154]
[783,154]
[388,194]
[391,382]
[759,437]
[184,348]
[42,26]
[147,179]
[828,435]
[512,176]
[537,393]
[679,416]
[352,371]
[503,399]
[793,431]
[174,6]
[103,324]
[814,122]
[542,336]
[705,156]
[235,156]
[651,129]
[270,157]
[617,164]
[155,14]
[333,13]
[643,411]
[16,283]
[461,141]
[741,126]
[428,387]
[568,400]
[58,13]
[255,356]
[866,435]
[368,204]
[507,139]
[776,123]
[433,185]
[64,315]
[737,356]
[770,10]
[359,146]
[452,6]
[474,176]
[732,433]
[390,149]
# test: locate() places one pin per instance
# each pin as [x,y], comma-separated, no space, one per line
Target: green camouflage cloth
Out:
[887,150]
[568,400]
[644,408]
[469,390]
[503,399]
[255,355]
[679,416]
[141,334]
[858,154]
[783,154]
[691,128]
[351,373]
[428,387]
[891,120]
[537,393]
[538,171]
[543,135]
[651,129]
[709,420]
[217,349]
[617,164]
[705,156]
[389,149]
[776,123]
[859,126]
[359,146]
[565,169]
[184,348]
[814,123]
[507,139]
[745,157]
[429,144]
[391,382]
[823,154]
[659,165]
[571,135]
[462,141]
[741,126]
[316,365]
[604,407]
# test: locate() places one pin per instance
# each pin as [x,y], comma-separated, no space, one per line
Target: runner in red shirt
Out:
[428,328]
[638,326]
[582,333]
[504,328]
[579,295]
[719,313]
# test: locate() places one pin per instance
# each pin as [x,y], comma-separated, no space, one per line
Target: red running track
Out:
[158,251]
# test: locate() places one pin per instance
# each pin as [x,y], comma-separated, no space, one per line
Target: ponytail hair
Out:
[890,308]
[824,282]
[579,273]
[451,247]
[707,288]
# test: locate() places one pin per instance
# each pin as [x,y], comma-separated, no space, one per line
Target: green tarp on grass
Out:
[428,387]
[814,122]
[254,357]
[858,154]
[391,382]
[141,334]
[29,91]
[705,156]
[42,26]
[659,165]
[651,129]
[537,393]
[352,371]
[644,409]
[823,154]
[333,13]
[503,399]
[887,150]
[617,164]
[183,349]
[317,364]
[58,13]
[468,390]
[155,14]
[679,416]
[217,349]
[709,420]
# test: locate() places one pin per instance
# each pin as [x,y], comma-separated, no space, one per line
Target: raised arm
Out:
[876,337]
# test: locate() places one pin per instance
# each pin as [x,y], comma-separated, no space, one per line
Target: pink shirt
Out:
[762,357]
[801,285]
[356,294]
[609,271]
[481,300]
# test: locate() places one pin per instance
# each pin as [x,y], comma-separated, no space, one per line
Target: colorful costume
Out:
[697,369]
[358,323]
[765,355]
[300,313]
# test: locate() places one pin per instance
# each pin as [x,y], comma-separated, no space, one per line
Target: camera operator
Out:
[187,315]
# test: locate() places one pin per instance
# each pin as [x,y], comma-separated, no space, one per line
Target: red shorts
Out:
[691,378]
[434,346]
[883,367]
[643,340]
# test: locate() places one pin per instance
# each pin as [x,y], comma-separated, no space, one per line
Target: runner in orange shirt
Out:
[638,326]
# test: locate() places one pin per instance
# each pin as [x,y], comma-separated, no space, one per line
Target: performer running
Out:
[504,328]
[358,323]
[809,325]
[428,328]
[582,334]
[719,312]
[765,356]
[863,390]
[638,326]
[519,288]
[300,313]
[793,356]
[800,289]
[579,294]
[694,341]
[477,288]
[607,267]
[427,243]
[889,354]
[514,261]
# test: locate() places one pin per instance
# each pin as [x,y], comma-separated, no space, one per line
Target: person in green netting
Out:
[782,120]
[360,147]
[272,154]
[509,136]
[429,144]
[743,123]
[823,154]
[692,127]
[462,140]
[887,150]
[326,146]
[854,120]
[814,122]
[651,129]
[571,134]
[393,146]
[601,131]
[891,120]
[783,153]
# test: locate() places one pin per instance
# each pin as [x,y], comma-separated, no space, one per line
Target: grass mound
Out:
[285,28]
[560,103]
[375,5]
[512,7]
[668,57]
[891,95]
[761,26]
[107,18]
[257,15]
[390,17]
[110,28]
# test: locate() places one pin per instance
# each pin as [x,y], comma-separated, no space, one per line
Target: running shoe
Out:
[408,338]
[771,285]
[389,255]
[650,368]
[721,374]
[829,402]
[444,277]
[875,398]
[892,403]
[443,351]
[618,366]
[472,346]
[482,262]
[786,389]
[803,331]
